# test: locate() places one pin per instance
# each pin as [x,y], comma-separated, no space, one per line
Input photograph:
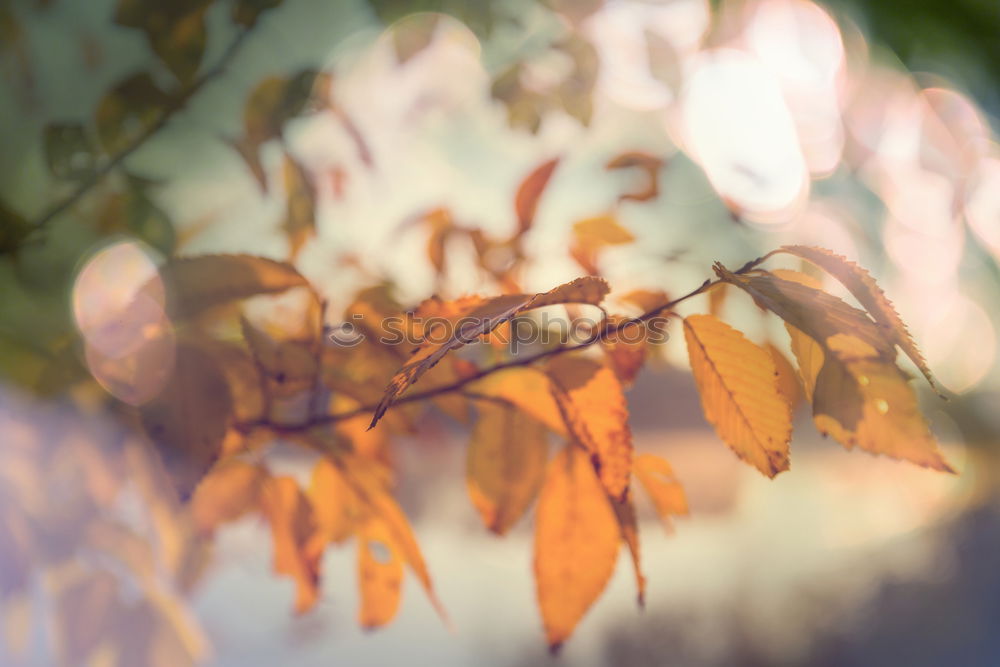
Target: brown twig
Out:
[603,334]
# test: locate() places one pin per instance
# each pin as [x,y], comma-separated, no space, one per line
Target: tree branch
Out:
[457,385]
[140,140]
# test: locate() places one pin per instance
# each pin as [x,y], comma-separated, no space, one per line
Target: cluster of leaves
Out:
[241,381]
[251,364]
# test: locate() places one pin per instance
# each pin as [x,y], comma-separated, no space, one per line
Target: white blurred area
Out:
[771,115]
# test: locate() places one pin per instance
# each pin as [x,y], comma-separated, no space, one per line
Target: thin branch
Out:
[169,111]
[432,392]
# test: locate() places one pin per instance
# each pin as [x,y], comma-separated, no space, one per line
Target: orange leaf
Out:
[380,574]
[592,235]
[187,421]
[593,407]
[292,524]
[300,205]
[788,380]
[576,543]
[529,192]
[334,507]
[650,164]
[528,389]
[657,477]
[230,490]
[739,393]
[504,465]
[815,313]
[194,284]
[864,288]
[870,403]
[481,320]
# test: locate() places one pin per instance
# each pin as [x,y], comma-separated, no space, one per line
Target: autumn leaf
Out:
[859,397]
[576,543]
[864,288]
[292,524]
[187,421]
[230,490]
[380,574]
[593,406]
[289,369]
[789,385]
[868,402]
[592,235]
[527,389]
[815,313]
[194,284]
[300,206]
[649,164]
[809,356]
[626,350]
[481,320]
[530,191]
[505,464]
[335,507]
[662,486]
[739,393]
[372,491]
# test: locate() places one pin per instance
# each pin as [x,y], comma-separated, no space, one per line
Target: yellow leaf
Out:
[864,288]
[380,574]
[528,389]
[372,490]
[815,313]
[530,191]
[788,380]
[576,543]
[870,403]
[289,370]
[657,477]
[504,465]
[478,321]
[230,489]
[593,406]
[334,505]
[187,421]
[194,284]
[300,205]
[809,356]
[739,393]
[592,235]
[292,524]
[626,350]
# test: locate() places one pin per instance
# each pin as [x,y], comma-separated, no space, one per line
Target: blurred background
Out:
[346,136]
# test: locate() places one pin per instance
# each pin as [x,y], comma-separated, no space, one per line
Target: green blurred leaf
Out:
[128,110]
[69,151]
[176,31]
